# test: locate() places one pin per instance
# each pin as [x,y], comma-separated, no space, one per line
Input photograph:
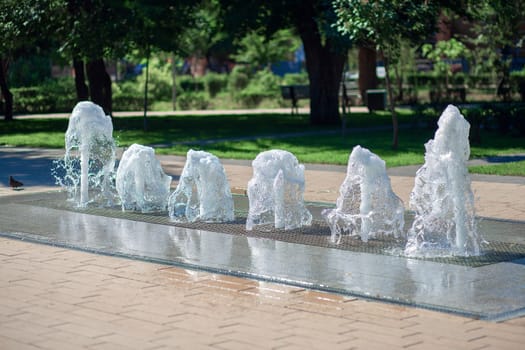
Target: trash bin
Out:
[376,99]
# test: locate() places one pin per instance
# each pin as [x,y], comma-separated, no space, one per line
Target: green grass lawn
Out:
[509,169]
[322,148]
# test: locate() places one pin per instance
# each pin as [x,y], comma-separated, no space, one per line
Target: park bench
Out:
[295,93]
[348,92]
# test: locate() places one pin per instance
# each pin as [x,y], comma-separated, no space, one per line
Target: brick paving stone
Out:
[8,343]
[53,298]
[196,315]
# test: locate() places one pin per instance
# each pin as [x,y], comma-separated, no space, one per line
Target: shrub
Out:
[187,83]
[507,118]
[295,79]
[29,71]
[476,117]
[192,100]
[53,95]
[215,83]
[264,84]
[238,79]
[160,81]
[127,96]
[517,81]
[422,79]
[458,78]
[518,119]
[127,102]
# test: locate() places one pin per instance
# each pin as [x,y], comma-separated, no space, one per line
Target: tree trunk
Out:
[80,80]
[399,83]
[391,105]
[99,84]
[324,66]
[367,70]
[4,89]
[174,82]
[145,119]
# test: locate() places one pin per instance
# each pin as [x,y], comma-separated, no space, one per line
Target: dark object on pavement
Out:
[15,184]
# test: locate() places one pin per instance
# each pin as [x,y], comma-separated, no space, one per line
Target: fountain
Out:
[203,192]
[442,197]
[141,182]
[366,205]
[90,132]
[275,192]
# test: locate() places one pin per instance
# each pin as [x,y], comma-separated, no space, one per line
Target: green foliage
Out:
[160,81]
[383,23]
[295,79]
[259,51]
[53,95]
[29,71]
[498,22]
[192,101]
[89,30]
[318,149]
[264,84]
[205,32]
[239,78]
[189,83]
[497,29]
[451,49]
[127,96]
[23,23]
[504,169]
[215,83]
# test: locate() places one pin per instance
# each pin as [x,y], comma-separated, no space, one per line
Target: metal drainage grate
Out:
[318,234]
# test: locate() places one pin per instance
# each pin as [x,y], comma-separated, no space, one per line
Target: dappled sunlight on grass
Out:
[273,131]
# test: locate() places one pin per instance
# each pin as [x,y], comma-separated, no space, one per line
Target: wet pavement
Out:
[468,290]
[473,291]
[154,285]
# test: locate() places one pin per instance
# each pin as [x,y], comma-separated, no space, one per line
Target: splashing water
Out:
[141,182]
[89,161]
[442,197]
[366,206]
[275,192]
[203,192]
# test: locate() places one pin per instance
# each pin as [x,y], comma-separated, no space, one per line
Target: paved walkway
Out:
[187,112]
[53,298]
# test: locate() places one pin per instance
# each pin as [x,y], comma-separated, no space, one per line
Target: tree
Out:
[497,32]
[203,34]
[451,49]
[205,31]
[91,31]
[325,49]
[367,57]
[94,30]
[382,24]
[158,26]
[23,24]
[260,52]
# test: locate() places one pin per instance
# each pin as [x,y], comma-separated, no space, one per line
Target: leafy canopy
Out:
[25,22]
[259,51]
[381,24]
